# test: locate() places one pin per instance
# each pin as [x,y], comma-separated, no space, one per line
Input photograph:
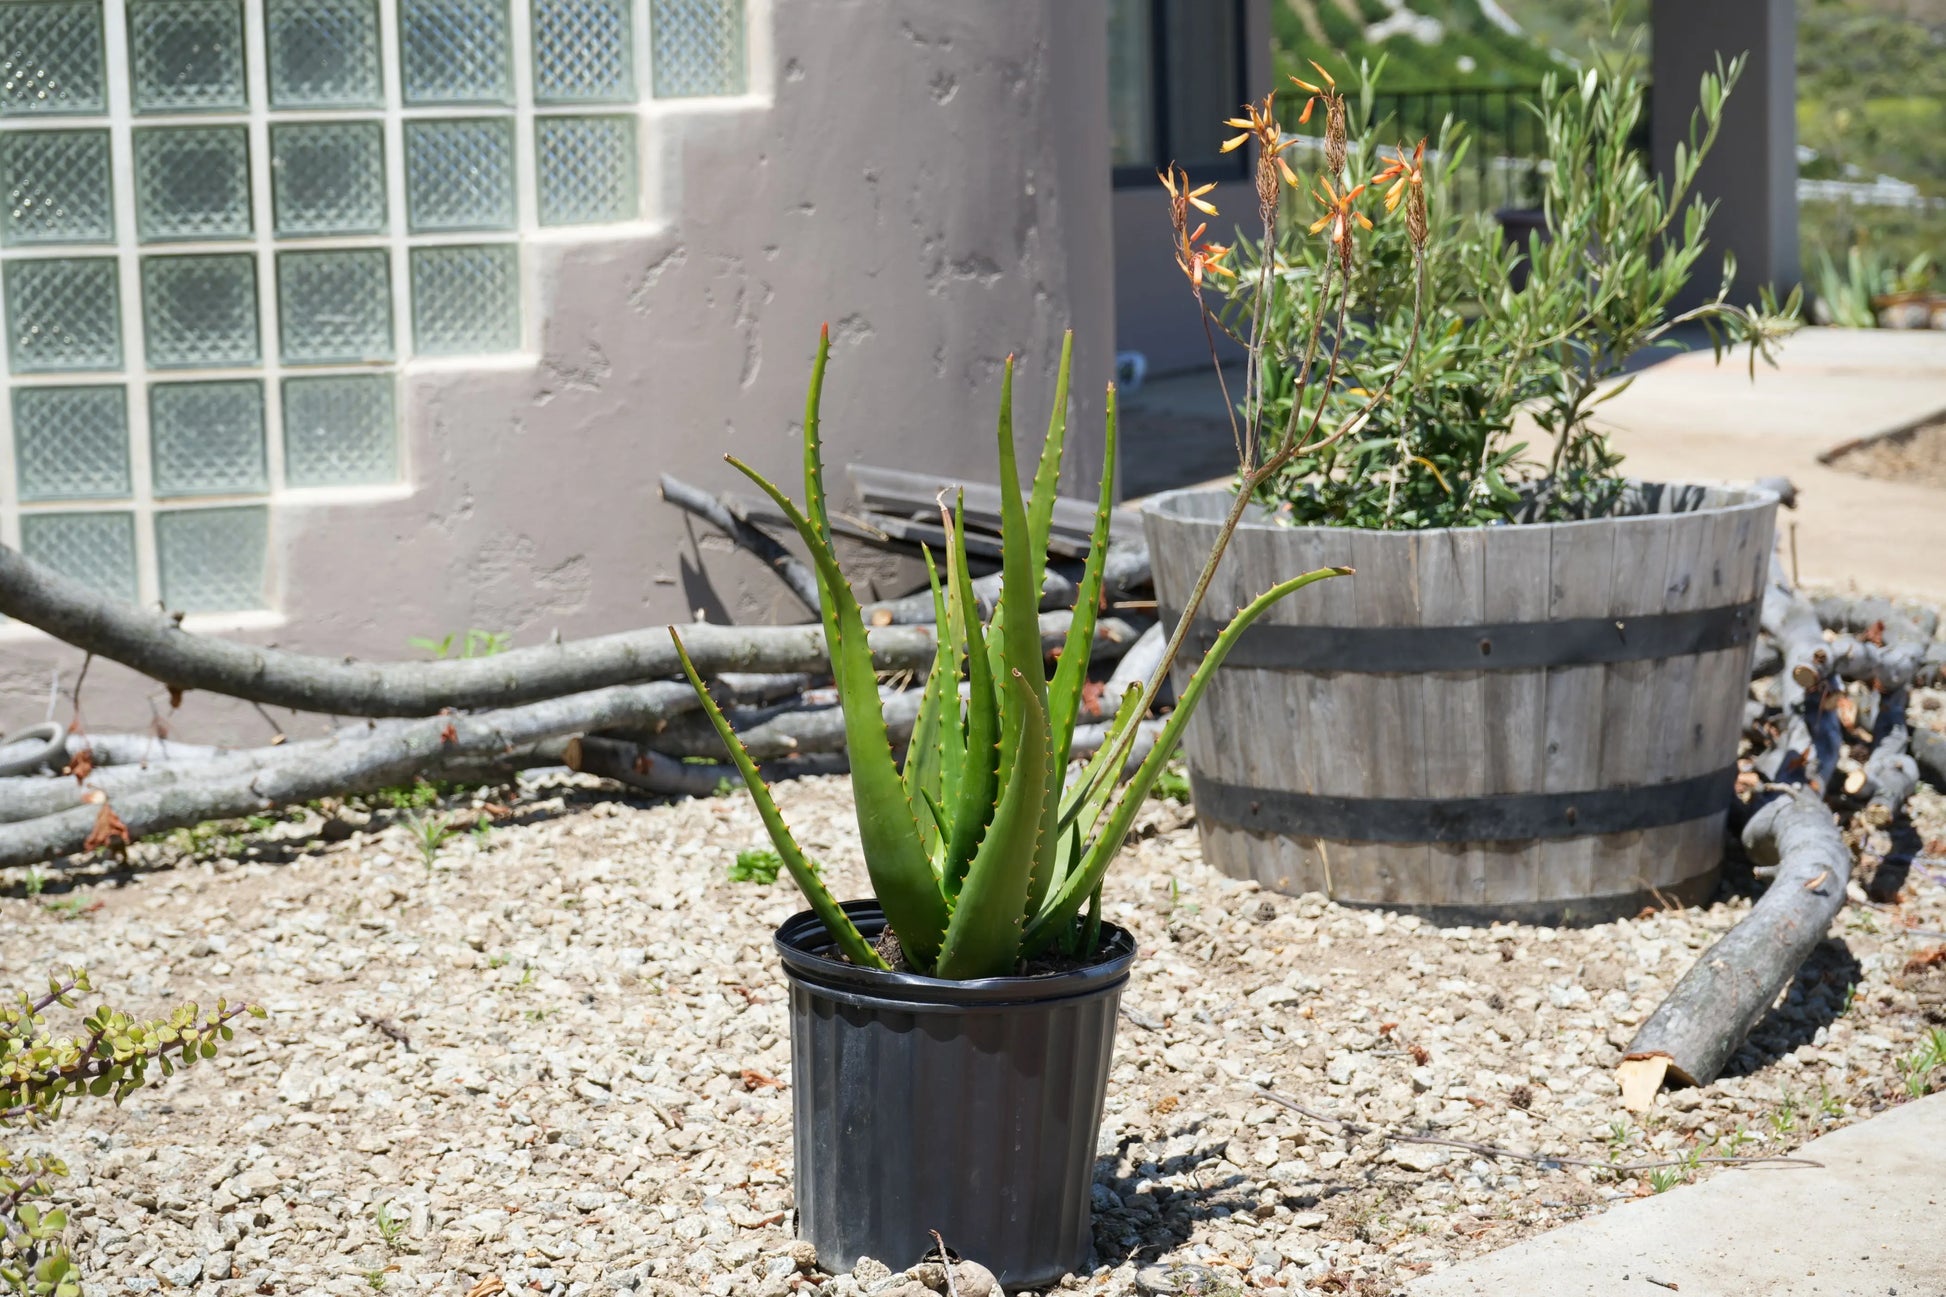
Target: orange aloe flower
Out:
[1259,122]
[1401,172]
[1176,181]
[1198,259]
[1339,213]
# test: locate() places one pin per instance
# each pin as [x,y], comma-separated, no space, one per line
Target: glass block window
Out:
[466,299]
[336,306]
[207,438]
[324,54]
[329,178]
[699,47]
[71,443]
[51,58]
[63,314]
[57,186]
[213,560]
[192,183]
[338,431]
[186,55]
[200,312]
[587,169]
[230,228]
[459,175]
[96,549]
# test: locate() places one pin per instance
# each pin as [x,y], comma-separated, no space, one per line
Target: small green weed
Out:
[1665,1178]
[1172,785]
[724,788]
[415,796]
[375,1278]
[36,882]
[1922,1067]
[429,833]
[390,1228]
[473,644]
[496,961]
[756,866]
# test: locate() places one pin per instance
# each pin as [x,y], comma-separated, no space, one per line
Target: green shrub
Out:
[110,1057]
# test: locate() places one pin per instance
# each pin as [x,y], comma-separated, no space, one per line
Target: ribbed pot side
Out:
[1536,721]
[970,1108]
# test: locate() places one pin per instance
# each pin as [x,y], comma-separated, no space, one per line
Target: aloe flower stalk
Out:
[982,852]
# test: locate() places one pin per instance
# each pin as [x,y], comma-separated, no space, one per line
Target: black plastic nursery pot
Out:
[970,1108]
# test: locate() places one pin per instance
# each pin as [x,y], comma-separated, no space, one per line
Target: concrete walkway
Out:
[1687,419]
[1870,1220]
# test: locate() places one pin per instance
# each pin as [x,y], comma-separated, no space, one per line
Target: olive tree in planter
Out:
[951,1037]
[1527,703]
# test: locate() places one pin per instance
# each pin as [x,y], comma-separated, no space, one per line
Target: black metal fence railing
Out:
[1501,168]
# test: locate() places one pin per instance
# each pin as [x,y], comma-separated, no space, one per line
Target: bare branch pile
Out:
[611,706]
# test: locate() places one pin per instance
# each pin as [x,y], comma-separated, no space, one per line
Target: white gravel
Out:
[587,1095]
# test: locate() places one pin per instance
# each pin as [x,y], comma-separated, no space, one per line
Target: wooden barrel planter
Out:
[1535,721]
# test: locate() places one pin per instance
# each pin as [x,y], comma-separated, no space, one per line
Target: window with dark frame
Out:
[1176,68]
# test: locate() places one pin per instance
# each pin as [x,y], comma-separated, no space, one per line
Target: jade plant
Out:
[983,853]
[40,1070]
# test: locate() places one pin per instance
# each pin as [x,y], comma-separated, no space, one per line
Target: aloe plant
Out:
[982,852]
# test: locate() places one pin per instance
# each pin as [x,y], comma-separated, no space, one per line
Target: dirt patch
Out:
[1917,455]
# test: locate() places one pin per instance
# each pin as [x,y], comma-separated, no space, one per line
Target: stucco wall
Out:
[931,180]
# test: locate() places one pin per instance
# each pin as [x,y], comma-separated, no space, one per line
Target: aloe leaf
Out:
[1067,900]
[1082,804]
[980,776]
[843,932]
[895,852]
[983,939]
[952,725]
[1017,620]
[923,755]
[1071,673]
[1047,477]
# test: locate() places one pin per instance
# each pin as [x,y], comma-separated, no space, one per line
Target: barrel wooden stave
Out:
[1466,733]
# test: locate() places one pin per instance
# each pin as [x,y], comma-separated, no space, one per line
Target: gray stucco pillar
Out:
[1752,172]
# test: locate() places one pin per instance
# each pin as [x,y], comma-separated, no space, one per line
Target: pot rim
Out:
[801,941]
[1168,506]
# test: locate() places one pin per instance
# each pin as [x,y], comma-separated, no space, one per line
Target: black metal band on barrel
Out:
[1505,646]
[1486,818]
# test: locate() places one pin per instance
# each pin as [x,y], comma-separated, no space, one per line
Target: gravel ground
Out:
[551,1058]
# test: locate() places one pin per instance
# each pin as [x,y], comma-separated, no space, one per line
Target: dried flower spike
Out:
[1259,122]
[1335,146]
[1408,184]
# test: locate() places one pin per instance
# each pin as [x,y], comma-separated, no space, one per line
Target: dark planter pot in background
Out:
[1535,722]
[970,1108]
[1519,228]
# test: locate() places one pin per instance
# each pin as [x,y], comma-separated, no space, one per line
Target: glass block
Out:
[96,549]
[50,58]
[466,300]
[328,178]
[64,314]
[459,175]
[212,560]
[584,52]
[186,55]
[587,169]
[456,52]
[207,438]
[57,187]
[340,431]
[200,312]
[192,183]
[336,307]
[324,53]
[71,443]
[698,47]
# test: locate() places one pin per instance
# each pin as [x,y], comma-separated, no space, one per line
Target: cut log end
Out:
[1641,1077]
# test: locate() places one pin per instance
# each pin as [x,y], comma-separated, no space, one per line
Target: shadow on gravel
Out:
[1815,999]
